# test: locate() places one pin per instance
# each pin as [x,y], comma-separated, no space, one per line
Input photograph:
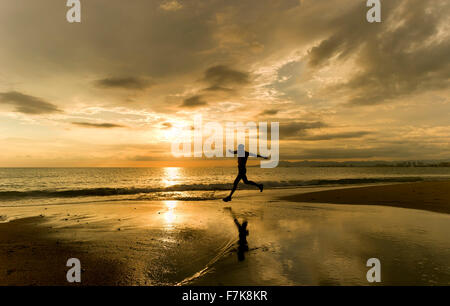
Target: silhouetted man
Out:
[242,175]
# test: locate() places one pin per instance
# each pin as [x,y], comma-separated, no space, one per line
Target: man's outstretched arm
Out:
[257,155]
[249,154]
[265,157]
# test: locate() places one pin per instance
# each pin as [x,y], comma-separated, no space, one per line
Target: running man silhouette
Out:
[242,175]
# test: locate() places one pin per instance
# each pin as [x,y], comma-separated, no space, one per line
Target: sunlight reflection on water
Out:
[170,215]
[171,176]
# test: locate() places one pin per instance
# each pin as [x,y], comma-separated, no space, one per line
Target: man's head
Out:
[241,150]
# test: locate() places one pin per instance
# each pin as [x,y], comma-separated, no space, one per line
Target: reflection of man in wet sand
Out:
[243,233]
[242,175]
[242,243]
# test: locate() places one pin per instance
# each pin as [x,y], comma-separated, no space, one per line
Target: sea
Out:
[38,186]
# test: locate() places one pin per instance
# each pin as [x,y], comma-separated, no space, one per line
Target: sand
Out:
[196,242]
[431,196]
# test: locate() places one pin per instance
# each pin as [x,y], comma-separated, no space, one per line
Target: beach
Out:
[431,196]
[297,236]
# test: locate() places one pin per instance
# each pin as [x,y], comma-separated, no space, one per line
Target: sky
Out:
[115,89]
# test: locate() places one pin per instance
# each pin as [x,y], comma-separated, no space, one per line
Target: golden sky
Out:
[113,90]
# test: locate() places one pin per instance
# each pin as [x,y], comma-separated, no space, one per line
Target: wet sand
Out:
[431,196]
[196,242]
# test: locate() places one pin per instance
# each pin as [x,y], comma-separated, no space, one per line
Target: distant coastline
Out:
[407,163]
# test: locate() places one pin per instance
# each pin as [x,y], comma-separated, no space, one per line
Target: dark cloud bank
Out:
[98,125]
[124,83]
[27,104]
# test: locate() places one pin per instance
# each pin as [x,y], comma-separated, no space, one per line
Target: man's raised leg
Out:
[246,181]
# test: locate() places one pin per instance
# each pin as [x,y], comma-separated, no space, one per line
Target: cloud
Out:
[28,104]
[362,150]
[124,83]
[344,153]
[143,158]
[405,54]
[223,83]
[294,130]
[171,5]
[166,125]
[218,88]
[194,101]
[220,76]
[344,135]
[98,125]
[270,112]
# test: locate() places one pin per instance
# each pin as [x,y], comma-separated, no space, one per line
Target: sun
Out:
[175,132]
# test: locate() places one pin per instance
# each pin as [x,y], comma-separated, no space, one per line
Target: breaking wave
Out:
[107,191]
